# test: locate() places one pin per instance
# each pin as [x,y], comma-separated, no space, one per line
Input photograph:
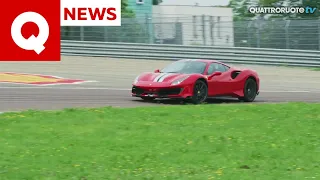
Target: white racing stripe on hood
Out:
[165,76]
[159,76]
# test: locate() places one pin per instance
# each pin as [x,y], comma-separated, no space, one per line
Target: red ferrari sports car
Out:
[196,80]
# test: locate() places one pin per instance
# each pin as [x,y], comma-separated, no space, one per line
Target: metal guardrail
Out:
[241,55]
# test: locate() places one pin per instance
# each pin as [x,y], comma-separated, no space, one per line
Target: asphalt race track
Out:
[110,82]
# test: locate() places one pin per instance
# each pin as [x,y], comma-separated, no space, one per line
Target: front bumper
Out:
[162,92]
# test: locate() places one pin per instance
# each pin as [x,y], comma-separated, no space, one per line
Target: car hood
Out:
[161,77]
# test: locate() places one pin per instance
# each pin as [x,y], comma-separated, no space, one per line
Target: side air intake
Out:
[234,74]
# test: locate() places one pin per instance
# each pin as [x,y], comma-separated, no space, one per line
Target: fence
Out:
[173,52]
[279,34]
[203,30]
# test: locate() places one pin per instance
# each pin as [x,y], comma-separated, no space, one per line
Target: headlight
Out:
[136,79]
[178,81]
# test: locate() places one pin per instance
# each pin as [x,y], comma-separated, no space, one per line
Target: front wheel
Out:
[249,90]
[200,92]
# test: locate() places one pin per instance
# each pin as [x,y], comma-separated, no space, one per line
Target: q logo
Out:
[32,43]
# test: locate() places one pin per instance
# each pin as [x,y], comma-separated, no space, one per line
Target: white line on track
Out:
[125,89]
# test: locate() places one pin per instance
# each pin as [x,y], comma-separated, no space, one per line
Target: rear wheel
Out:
[148,98]
[249,91]
[200,92]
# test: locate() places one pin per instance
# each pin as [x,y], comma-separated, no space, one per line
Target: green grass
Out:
[258,141]
[316,69]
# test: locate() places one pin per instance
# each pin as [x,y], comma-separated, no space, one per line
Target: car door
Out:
[225,79]
[218,85]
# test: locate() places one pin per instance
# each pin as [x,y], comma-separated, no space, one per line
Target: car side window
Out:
[211,69]
[226,68]
[214,67]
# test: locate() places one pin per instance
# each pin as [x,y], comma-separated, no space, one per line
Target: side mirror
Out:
[157,71]
[217,73]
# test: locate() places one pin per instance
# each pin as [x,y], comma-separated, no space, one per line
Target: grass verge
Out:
[258,141]
[316,69]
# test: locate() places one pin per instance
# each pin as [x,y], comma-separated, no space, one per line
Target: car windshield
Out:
[186,67]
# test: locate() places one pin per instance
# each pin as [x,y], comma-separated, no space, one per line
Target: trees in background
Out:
[156,2]
[132,30]
[125,11]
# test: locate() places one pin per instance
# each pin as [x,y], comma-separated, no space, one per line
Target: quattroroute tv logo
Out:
[31,30]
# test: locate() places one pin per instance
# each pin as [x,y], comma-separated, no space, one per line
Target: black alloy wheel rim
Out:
[200,91]
[251,90]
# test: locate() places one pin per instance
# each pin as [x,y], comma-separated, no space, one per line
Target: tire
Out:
[249,90]
[200,92]
[148,98]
